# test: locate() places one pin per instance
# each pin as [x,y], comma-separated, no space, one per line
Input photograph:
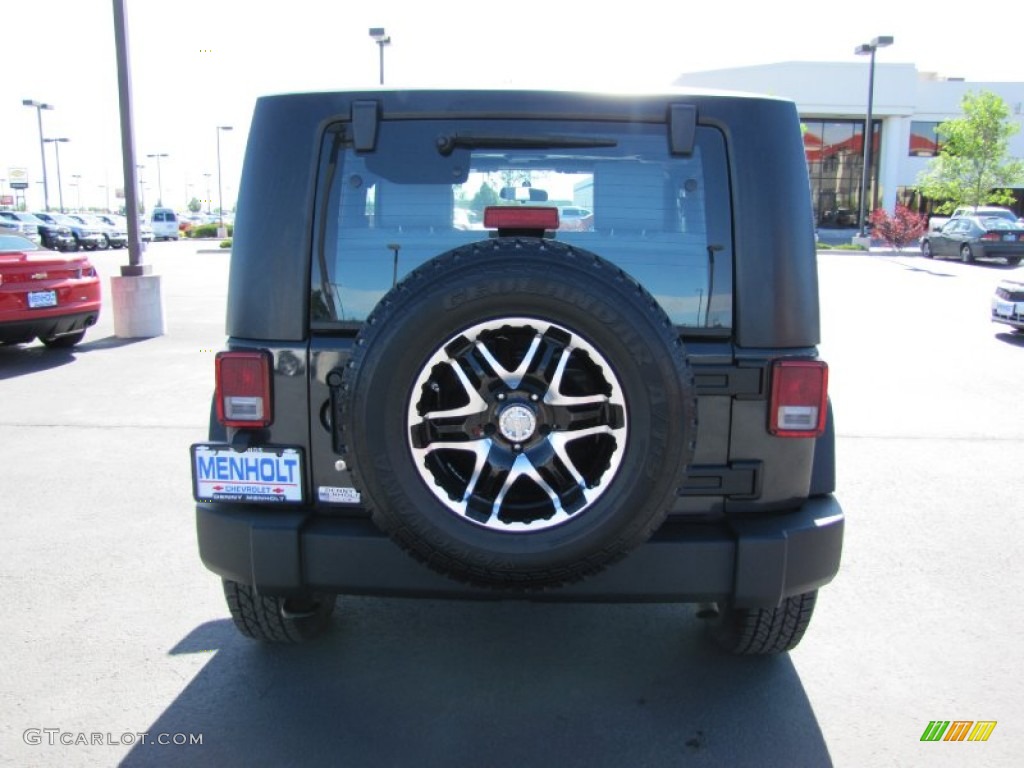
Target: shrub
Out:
[225,243]
[840,247]
[208,230]
[900,229]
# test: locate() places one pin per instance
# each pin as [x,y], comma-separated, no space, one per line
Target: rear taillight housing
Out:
[243,389]
[799,396]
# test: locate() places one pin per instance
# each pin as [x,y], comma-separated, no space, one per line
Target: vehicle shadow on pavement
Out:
[1013,339]
[16,360]
[448,683]
[926,270]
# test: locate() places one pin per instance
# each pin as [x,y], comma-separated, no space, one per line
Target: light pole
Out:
[159,179]
[868,138]
[221,230]
[60,187]
[42,151]
[77,184]
[209,203]
[142,193]
[382,39]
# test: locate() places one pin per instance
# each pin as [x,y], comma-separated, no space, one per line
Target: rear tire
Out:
[277,619]
[965,254]
[926,250]
[763,631]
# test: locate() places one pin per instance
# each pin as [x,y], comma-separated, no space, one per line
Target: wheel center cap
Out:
[517,423]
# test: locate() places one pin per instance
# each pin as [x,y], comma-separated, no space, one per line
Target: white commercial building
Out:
[832,98]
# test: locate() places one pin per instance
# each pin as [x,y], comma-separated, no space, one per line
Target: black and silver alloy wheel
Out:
[517,414]
[517,424]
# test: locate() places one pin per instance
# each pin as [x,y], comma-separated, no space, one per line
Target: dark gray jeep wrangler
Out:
[522,344]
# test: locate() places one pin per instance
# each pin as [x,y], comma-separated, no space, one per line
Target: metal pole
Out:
[381,38]
[60,186]
[39,106]
[42,151]
[142,192]
[160,184]
[868,139]
[135,266]
[221,231]
[220,189]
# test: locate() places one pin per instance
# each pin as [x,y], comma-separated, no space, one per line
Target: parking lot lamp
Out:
[42,147]
[221,230]
[159,179]
[868,138]
[382,39]
[60,187]
[209,203]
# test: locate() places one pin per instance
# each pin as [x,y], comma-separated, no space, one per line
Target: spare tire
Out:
[518,413]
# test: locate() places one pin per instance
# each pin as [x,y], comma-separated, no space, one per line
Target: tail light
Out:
[526,217]
[243,389]
[799,393]
[990,236]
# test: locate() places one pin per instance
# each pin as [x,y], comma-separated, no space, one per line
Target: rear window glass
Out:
[664,219]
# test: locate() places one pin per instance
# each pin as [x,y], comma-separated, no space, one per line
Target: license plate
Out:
[1003,309]
[266,474]
[1011,238]
[40,299]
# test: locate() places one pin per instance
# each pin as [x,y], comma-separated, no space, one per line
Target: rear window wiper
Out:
[446,144]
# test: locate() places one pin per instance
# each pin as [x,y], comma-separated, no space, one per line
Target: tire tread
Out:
[765,631]
[260,617]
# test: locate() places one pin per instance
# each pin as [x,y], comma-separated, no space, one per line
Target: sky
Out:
[199,64]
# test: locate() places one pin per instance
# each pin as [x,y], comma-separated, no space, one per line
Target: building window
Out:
[835,159]
[924,139]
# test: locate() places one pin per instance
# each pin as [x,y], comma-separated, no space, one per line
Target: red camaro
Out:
[45,294]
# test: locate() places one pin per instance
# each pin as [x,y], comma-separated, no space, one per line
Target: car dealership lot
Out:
[112,627]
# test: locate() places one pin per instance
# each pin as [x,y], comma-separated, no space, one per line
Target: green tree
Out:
[974,166]
[194,205]
[485,196]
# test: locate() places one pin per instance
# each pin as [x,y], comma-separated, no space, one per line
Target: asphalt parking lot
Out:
[113,628]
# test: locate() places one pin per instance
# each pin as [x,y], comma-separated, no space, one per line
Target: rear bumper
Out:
[751,563]
[48,327]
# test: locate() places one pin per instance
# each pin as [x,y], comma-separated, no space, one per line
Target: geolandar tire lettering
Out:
[518,413]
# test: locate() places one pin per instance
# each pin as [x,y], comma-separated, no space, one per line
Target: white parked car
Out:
[1008,304]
